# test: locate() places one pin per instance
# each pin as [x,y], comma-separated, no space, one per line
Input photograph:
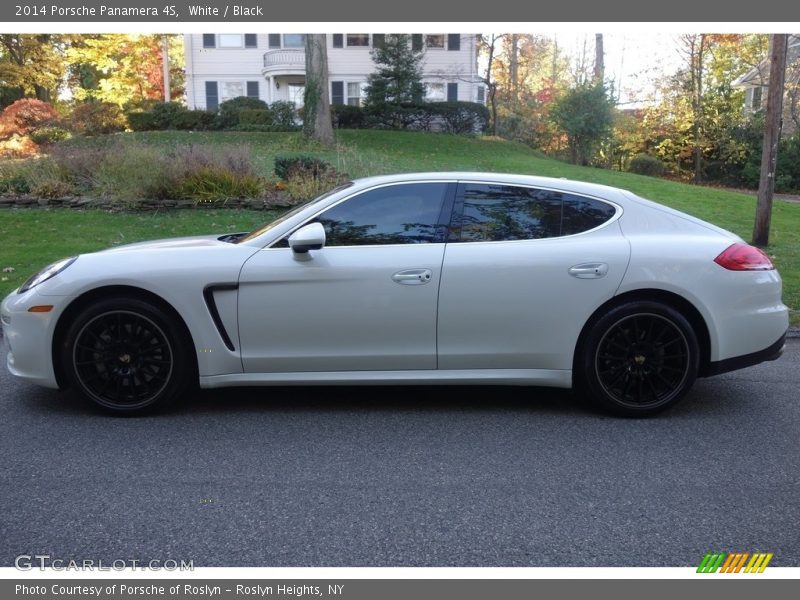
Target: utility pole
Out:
[772,137]
[165,66]
[599,61]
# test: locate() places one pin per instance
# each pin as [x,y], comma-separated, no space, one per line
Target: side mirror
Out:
[310,237]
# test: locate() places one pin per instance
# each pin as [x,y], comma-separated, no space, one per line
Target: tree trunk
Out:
[317,109]
[599,60]
[772,136]
[697,69]
[514,70]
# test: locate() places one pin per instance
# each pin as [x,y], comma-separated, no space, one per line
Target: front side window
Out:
[397,214]
[358,39]
[495,213]
[231,40]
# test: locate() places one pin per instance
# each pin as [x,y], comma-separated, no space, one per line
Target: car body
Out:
[432,278]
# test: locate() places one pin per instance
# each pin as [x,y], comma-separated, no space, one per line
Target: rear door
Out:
[524,270]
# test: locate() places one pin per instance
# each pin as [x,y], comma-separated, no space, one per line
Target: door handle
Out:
[589,270]
[412,276]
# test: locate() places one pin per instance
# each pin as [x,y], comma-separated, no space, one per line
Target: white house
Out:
[271,66]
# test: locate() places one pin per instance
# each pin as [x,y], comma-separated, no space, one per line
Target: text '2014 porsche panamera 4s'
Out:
[436,278]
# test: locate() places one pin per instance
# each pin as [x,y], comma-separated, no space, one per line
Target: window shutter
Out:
[452,92]
[209,40]
[416,42]
[454,41]
[378,40]
[252,89]
[274,40]
[212,95]
[481,94]
[338,40]
[337,93]
[250,40]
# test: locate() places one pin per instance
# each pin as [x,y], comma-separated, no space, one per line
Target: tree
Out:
[316,104]
[32,64]
[488,44]
[123,68]
[772,135]
[585,114]
[398,76]
[599,59]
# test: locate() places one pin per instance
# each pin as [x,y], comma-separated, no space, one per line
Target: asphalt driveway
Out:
[422,476]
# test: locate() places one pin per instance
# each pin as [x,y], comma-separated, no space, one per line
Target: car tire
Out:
[127,356]
[638,359]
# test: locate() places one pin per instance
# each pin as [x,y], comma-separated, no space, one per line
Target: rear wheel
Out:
[124,354]
[639,359]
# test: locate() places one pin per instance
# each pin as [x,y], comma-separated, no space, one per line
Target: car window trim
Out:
[444,213]
[458,211]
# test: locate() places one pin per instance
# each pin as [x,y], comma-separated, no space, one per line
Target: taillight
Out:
[744,257]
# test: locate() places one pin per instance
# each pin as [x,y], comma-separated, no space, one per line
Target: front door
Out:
[365,302]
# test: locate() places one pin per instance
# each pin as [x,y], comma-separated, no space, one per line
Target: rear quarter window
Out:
[581,214]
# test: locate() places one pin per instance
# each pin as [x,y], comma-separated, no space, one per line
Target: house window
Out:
[294,40]
[758,94]
[230,89]
[209,40]
[358,39]
[434,92]
[250,40]
[231,40]
[296,94]
[434,41]
[356,92]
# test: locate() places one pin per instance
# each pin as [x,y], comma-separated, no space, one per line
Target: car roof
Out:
[560,183]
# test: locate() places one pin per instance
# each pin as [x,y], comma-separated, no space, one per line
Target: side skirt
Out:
[540,377]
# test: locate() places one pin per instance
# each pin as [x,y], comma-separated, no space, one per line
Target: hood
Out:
[181,242]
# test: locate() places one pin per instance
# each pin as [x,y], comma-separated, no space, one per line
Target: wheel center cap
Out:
[125,358]
[639,359]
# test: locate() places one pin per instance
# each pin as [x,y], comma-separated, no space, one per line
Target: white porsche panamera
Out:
[437,278]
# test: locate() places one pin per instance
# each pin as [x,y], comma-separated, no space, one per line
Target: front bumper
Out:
[28,336]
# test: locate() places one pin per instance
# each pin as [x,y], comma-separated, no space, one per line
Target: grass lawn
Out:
[32,238]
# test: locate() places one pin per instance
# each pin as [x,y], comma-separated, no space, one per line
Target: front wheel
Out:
[124,354]
[638,359]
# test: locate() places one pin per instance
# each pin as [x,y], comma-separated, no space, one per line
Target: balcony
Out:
[286,61]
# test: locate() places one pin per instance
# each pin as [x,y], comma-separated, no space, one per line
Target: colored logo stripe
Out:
[734,562]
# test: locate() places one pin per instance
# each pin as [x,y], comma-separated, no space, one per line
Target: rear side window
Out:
[397,214]
[493,213]
[582,214]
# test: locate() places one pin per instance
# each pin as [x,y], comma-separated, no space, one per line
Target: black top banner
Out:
[449,11]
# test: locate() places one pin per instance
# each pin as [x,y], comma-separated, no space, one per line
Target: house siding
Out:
[346,64]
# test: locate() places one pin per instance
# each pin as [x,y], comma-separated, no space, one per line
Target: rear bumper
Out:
[771,352]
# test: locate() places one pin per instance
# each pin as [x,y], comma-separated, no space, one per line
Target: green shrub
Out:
[46,136]
[644,164]
[228,114]
[255,116]
[194,120]
[310,165]
[97,118]
[459,117]
[345,116]
[142,121]
[210,184]
[165,113]
[283,115]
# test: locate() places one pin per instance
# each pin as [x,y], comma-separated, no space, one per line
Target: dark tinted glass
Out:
[582,214]
[398,214]
[494,213]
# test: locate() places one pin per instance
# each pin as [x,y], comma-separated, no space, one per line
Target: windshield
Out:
[291,213]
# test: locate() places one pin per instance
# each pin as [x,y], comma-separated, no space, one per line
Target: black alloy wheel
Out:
[123,355]
[640,358]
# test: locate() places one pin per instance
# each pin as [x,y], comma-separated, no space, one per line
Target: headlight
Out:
[46,273]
